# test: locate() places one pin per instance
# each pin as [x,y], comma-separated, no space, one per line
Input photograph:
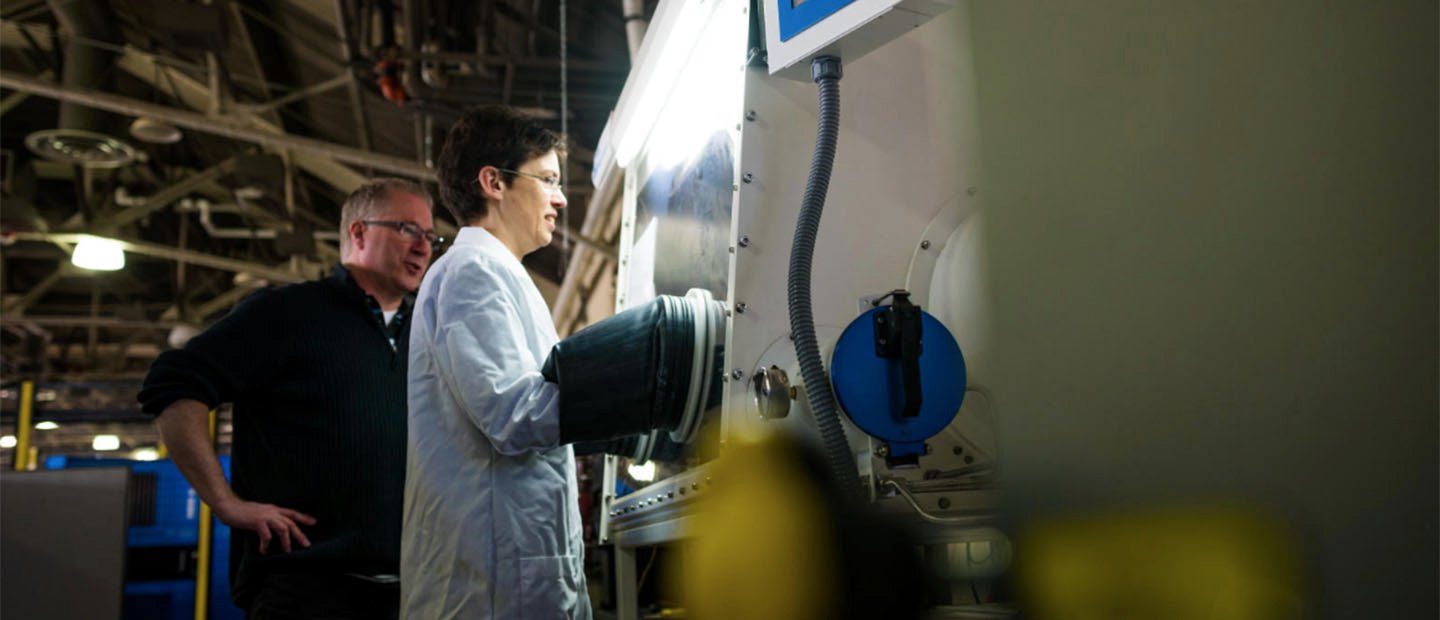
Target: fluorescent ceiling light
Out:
[106,442]
[662,62]
[145,454]
[642,473]
[47,426]
[7,441]
[98,254]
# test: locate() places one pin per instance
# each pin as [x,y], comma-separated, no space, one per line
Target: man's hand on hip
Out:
[268,521]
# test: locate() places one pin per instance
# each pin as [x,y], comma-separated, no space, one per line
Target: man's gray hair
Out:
[368,201]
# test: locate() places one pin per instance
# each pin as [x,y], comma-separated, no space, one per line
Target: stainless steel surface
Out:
[689,203]
[656,513]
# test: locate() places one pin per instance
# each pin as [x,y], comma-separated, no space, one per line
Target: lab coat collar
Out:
[481,238]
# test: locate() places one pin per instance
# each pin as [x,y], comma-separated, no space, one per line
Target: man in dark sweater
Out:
[316,372]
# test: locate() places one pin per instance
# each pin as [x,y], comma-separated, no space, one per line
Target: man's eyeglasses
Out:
[551,183]
[412,231]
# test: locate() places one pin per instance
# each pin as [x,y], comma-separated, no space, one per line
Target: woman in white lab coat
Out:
[491,524]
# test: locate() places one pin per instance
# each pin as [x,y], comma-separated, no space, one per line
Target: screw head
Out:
[744,241]
[737,374]
[740,308]
[925,245]
[747,177]
[750,115]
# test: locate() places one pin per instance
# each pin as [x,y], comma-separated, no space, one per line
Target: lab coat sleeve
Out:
[482,355]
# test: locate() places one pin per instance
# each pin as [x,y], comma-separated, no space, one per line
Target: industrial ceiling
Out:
[217,141]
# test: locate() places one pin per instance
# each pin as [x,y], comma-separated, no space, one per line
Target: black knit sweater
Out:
[318,386]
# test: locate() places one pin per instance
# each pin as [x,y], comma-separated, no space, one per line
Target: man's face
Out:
[398,259]
[529,207]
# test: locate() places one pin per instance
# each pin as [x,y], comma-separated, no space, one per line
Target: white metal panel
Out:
[905,157]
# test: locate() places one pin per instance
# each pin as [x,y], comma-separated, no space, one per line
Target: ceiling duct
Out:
[188,27]
[82,138]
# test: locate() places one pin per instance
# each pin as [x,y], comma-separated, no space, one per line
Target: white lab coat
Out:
[492,523]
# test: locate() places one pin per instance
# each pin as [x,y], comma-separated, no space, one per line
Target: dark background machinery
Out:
[219,140]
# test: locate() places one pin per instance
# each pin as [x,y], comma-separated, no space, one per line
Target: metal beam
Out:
[347,52]
[161,73]
[230,128]
[87,321]
[573,236]
[167,252]
[308,91]
[523,62]
[163,198]
[17,97]
[35,293]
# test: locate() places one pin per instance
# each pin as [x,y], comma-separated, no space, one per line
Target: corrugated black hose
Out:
[826,72]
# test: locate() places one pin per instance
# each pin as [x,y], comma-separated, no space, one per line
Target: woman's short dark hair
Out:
[488,136]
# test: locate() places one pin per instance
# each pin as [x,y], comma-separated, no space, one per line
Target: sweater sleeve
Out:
[216,366]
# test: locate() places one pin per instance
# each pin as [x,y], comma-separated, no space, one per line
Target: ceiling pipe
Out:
[413,20]
[635,24]
[238,130]
[85,66]
[204,208]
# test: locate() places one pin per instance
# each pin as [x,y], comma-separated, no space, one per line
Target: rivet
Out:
[740,308]
[750,115]
[737,374]
[744,241]
[748,177]
[925,245]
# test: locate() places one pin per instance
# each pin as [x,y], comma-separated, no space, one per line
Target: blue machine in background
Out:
[161,542]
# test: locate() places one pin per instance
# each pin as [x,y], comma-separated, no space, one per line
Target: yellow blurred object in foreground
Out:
[764,545]
[1211,563]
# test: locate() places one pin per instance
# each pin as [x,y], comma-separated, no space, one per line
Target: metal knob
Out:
[772,393]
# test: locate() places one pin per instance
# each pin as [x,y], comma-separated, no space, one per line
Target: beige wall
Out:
[1212,239]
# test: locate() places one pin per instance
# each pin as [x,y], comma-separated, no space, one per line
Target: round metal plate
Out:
[80,148]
